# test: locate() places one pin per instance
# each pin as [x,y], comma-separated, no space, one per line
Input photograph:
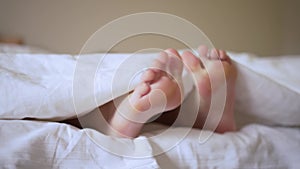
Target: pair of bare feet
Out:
[160,90]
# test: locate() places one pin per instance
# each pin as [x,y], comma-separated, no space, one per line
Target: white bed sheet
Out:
[35,145]
[46,86]
[254,146]
[31,144]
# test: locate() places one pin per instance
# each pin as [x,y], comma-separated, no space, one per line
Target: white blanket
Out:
[30,144]
[40,86]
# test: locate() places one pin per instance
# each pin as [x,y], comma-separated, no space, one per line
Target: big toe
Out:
[172,52]
[174,65]
[159,66]
[203,50]
[191,61]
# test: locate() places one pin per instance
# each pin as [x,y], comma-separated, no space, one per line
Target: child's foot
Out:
[159,91]
[216,62]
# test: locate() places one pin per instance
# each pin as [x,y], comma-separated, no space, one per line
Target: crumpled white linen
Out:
[35,144]
[57,87]
[254,146]
[41,86]
[268,89]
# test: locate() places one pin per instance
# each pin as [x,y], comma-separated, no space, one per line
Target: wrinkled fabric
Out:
[41,86]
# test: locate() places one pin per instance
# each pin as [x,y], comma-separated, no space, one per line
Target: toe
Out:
[224,56]
[203,51]
[141,90]
[174,66]
[138,99]
[214,54]
[159,63]
[172,52]
[159,66]
[163,57]
[148,76]
[203,55]
[191,61]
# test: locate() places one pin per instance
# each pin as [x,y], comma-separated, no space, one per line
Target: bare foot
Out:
[210,62]
[158,92]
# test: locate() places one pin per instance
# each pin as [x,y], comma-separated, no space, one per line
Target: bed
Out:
[38,90]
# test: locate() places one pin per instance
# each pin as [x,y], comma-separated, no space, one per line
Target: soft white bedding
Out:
[30,144]
[254,146]
[40,86]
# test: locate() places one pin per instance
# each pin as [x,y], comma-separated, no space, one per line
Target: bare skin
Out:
[127,115]
[210,62]
[159,91]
